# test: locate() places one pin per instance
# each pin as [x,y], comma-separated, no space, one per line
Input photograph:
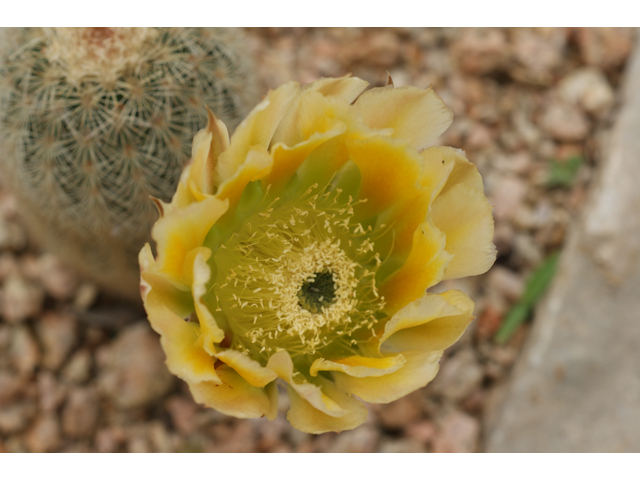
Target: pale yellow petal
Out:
[419,370]
[167,310]
[234,396]
[437,168]
[358,366]
[305,417]
[464,215]
[272,394]
[389,172]
[423,269]
[181,231]
[315,109]
[198,180]
[256,166]
[417,116]
[254,373]
[208,145]
[462,170]
[155,289]
[344,90]
[201,276]
[179,339]
[286,160]
[256,130]
[281,363]
[404,218]
[431,323]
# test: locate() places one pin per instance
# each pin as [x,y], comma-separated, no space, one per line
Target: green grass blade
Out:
[516,317]
[540,279]
[537,284]
[563,174]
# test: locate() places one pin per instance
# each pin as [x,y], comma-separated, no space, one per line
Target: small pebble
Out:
[58,279]
[588,88]
[423,431]
[24,353]
[132,369]
[363,439]
[458,433]
[15,417]
[50,392]
[564,122]
[506,282]
[459,376]
[401,445]
[20,298]
[402,412]
[57,332]
[183,414]
[78,369]
[80,414]
[44,435]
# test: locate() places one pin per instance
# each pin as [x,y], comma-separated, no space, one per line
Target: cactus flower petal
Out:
[235,396]
[417,116]
[300,254]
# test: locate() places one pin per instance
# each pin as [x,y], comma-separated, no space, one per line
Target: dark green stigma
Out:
[317,292]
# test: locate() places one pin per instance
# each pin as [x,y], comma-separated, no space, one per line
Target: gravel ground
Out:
[80,373]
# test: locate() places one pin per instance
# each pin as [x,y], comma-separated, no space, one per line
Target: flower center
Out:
[297,276]
[317,291]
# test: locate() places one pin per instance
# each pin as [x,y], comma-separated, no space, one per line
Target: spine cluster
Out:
[93,121]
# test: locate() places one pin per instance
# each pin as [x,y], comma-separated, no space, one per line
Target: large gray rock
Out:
[576,387]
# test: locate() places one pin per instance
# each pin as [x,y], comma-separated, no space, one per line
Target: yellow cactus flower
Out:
[301,250]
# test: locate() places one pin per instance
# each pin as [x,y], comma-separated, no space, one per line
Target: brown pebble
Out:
[57,278]
[458,433]
[160,439]
[507,197]
[480,137]
[24,353]
[8,265]
[183,414]
[20,298]
[110,439]
[86,295]
[481,51]
[139,443]
[271,433]
[459,376]
[489,321]
[15,417]
[80,414]
[589,88]
[11,385]
[606,47]
[243,439]
[44,435]
[564,122]
[78,369]
[50,392]
[475,402]
[400,413]
[363,439]
[132,370]
[506,282]
[12,235]
[57,332]
[538,54]
[423,431]
[401,445]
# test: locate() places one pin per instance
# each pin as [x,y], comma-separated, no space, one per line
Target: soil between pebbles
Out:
[523,99]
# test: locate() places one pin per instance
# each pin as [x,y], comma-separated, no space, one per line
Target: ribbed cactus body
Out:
[94,121]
